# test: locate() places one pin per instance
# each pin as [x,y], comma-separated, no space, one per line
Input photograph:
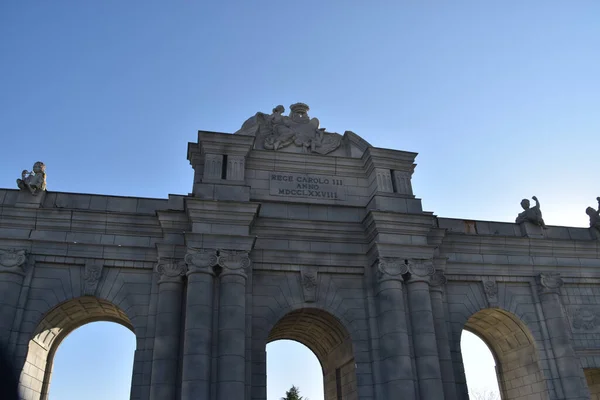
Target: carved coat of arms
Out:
[277,131]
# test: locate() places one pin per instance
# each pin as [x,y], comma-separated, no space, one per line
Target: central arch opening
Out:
[329,341]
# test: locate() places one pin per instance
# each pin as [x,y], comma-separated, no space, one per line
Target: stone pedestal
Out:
[396,366]
[423,330]
[568,365]
[165,357]
[231,361]
[198,332]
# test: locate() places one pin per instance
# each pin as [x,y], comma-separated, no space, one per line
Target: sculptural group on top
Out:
[276,131]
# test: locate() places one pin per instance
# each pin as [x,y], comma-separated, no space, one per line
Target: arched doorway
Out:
[330,341]
[52,330]
[94,358]
[517,363]
[480,367]
[290,363]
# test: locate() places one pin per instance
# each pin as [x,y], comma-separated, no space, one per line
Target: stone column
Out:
[231,361]
[568,365]
[438,280]
[198,331]
[397,377]
[423,330]
[11,281]
[165,356]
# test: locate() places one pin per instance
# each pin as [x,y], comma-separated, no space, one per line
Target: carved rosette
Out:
[234,262]
[549,282]
[437,281]
[420,270]
[201,261]
[171,271]
[91,276]
[391,269]
[308,280]
[12,260]
[490,288]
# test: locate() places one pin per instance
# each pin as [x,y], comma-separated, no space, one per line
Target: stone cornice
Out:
[221,212]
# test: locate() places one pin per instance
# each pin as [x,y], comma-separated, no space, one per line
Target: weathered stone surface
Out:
[295,233]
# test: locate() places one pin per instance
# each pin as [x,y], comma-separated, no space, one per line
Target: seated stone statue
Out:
[533,214]
[34,181]
[594,218]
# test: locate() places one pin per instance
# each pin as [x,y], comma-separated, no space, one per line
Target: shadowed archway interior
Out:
[329,340]
[517,365]
[54,327]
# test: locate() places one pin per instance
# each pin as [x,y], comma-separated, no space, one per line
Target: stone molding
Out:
[91,276]
[201,261]
[391,269]
[234,262]
[549,282]
[490,288]
[12,260]
[438,280]
[309,283]
[171,271]
[420,270]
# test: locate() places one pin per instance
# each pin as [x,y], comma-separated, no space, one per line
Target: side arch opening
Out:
[330,342]
[53,328]
[513,347]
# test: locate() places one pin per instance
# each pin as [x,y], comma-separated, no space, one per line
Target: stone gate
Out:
[293,232]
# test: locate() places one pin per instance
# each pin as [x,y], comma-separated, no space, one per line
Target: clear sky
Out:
[500,99]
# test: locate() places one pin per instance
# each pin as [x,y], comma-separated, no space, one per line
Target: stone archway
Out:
[54,327]
[330,341]
[517,363]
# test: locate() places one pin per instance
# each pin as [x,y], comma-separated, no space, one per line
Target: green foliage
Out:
[293,394]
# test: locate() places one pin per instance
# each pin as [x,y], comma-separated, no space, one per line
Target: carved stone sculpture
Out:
[309,282]
[277,131]
[171,270]
[549,282]
[34,181]
[12,261]
[531,214]
[594,218]
[91,276]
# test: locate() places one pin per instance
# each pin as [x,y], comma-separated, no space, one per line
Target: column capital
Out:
[234,262]
[391,269]
[201,261]
[437,281]
[171,271]
[549,282]
[421,270]
[12,260]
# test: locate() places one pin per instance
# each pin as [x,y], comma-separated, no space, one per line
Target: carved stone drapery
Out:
[12,261]
[420,270]
[308,280]
[234,262]
[91,276]
[391,269]
[549,282]
[490,288]
[201,260]
[171,270]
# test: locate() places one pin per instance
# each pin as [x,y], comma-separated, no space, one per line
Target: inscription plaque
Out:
[324,187]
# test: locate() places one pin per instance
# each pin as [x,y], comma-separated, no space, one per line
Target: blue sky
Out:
[500,99]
